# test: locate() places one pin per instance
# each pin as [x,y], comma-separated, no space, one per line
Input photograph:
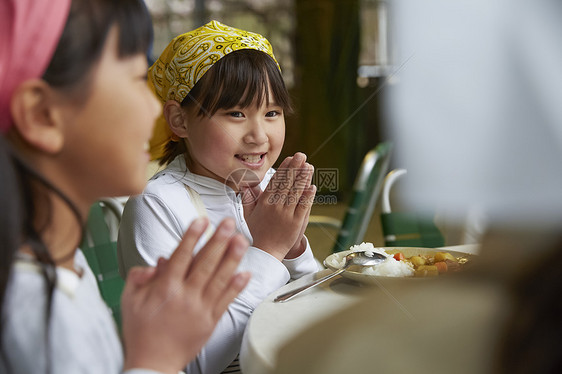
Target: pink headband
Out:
[29,34]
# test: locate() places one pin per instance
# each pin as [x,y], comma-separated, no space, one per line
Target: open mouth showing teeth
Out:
[253,159]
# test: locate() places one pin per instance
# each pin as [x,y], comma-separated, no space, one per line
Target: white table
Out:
[274,324]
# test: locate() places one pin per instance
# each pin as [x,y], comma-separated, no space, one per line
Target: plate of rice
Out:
[401,262]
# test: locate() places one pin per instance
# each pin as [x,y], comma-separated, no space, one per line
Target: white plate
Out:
[407,251]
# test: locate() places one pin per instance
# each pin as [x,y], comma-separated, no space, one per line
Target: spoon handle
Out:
[289,295]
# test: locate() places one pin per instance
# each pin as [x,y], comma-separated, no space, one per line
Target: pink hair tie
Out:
[29,34]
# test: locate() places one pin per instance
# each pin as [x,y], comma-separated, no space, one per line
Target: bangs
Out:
[88,24]
[241,78]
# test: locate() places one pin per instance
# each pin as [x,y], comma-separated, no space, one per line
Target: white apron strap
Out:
[200,207]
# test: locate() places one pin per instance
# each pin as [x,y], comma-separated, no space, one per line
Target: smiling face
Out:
[232,121]
[105,149]
[236,146]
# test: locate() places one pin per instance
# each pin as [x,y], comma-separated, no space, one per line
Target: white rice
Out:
[388,268]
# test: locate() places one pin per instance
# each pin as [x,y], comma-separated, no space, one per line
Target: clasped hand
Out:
[278,216]
[169,311]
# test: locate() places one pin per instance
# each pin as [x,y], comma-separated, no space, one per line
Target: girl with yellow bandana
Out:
[221,130]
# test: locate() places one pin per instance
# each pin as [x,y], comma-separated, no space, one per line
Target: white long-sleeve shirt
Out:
[82,334]
[153,224]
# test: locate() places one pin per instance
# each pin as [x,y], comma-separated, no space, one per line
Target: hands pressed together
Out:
[277,217]
[169,311]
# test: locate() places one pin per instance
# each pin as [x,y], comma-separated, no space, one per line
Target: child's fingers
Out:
[225,270]
[299,158]
[310,174]
[304,176]
[138,276]
[277,179]
[285,162]
[207,260]
[236,285]
[161,265]
[283,179]
[293,171]
[179,263]
[302,179]
[305,202]
[302,211]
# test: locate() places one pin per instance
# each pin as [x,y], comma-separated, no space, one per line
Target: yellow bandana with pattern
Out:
[186,59]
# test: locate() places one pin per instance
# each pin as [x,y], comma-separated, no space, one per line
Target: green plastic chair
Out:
[406,229]
[366,191]
[100,250]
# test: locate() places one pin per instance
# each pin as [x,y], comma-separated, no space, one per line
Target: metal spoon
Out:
[354,258]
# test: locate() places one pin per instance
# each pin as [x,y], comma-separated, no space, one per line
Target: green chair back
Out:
[101,253]
[366,191]
[406,229]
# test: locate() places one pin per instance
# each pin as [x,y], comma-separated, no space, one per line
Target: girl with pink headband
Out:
[76,116]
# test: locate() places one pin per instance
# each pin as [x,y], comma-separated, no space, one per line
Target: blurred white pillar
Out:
[476,114]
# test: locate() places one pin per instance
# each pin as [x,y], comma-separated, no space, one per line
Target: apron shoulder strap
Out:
[200,207]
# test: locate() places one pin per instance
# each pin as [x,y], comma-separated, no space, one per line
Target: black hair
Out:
[78,50]
[240,78]
[82,41]
[11,222]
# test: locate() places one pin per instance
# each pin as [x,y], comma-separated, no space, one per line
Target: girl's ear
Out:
[35,116]
[176,118]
